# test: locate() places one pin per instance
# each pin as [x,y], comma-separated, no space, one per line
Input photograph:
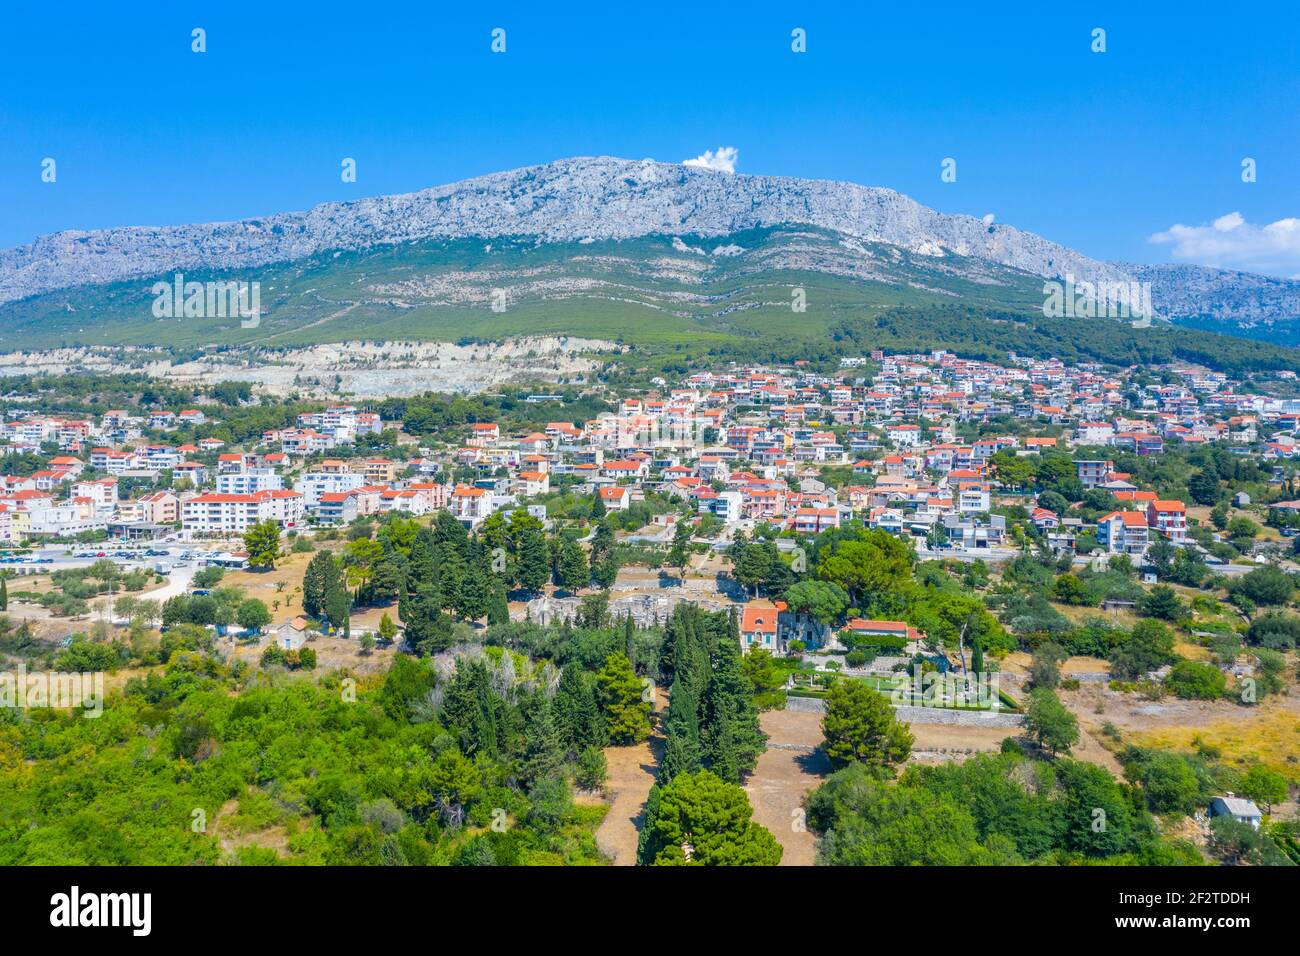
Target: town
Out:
[1078,559]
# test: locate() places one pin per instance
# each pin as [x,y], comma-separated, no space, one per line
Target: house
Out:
[1123,532]
[1169,518]
[316,484]
[1092,472]
[758,628]
[249,481]
[484,433]
[223,514]
[1241,810]
[814,520]
[470,505]
[292,635]
[532,483]
[1044,519]
[616,498]
[868,632]
[336,507]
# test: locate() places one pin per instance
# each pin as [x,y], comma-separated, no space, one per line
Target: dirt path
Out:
[791,767]
[631,775]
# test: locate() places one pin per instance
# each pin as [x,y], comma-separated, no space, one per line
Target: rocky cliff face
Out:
[1241,299]
[569,200]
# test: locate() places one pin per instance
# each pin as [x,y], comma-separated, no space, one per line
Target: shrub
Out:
[1195,680]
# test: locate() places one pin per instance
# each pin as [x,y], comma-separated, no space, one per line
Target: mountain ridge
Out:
[587,201]
[580,199]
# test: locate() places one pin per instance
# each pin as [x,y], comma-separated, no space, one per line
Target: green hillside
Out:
[666,296]
[641,292]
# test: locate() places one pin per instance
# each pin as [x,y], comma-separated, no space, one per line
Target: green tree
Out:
[627,716]
[867,822]
[859,726]
[454,782]
[577,710]
[682,750]
[731,735]
[824,601]
[1266,586]
[679,554]
[1204,488]
[592,769]
[1045,665]
[1149,646]
[571,569]
[1265,786]
[701,820]
[1050,723]
[545,754]
[875,569]
[533,556]
[767,679]
[1162,602]
[262,542]
[1170,783]
[252,615]
[338,609]
[1196,680]
[751,562]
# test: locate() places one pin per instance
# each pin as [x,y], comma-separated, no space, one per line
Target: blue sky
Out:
[1097,151]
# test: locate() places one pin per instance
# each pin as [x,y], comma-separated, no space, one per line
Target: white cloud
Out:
[988,219]
[1230,242]
[723,161]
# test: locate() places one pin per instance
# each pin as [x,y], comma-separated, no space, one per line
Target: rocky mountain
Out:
[572,200]
[1241,303]
[619,236]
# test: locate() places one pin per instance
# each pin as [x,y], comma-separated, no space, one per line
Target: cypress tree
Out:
[730,730]
[682,752]
[498,609]
[313,583]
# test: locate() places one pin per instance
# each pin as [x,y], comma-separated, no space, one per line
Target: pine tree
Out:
[338,608]
[577,710]
[423,560]
[628,716]
[476,591]
[572,570]
[534,558]
[450,534]
[472,707]
[4,594]
[452,574]
[545,754]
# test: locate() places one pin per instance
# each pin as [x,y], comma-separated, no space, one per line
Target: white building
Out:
[249,482]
